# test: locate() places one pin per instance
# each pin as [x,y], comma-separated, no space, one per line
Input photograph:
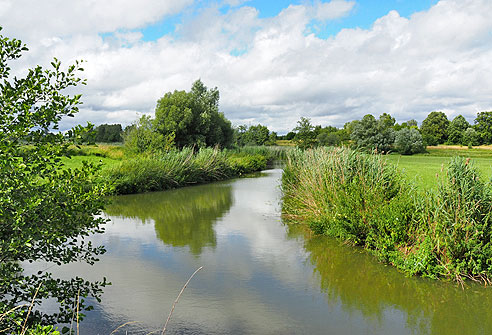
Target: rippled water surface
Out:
[259,275]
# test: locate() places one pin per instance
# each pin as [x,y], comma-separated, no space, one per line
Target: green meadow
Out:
[424,169]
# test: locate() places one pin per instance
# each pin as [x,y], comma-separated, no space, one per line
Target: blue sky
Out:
[363,15]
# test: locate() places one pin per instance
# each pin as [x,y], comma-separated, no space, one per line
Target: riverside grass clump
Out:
[178,168]
[363,200]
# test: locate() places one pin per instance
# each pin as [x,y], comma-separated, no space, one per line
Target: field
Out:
[424,168]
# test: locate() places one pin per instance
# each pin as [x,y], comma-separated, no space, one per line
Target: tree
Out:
[371,134]
[290,135]
[193,117]
[141,137]
[254,135]
[456,129]
[470,137]
[328,139]
[109,133]
[305,136]
[483,125]
[408,141]
[434,128]
[46,210]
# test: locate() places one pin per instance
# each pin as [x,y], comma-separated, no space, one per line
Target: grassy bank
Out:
[130,173]
[367,201]
[185,167]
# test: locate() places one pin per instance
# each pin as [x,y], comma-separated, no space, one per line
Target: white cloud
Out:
[49,18]
[273,70]
[333,10]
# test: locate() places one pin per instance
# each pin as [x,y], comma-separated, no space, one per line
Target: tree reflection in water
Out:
[352,277]
[182,217]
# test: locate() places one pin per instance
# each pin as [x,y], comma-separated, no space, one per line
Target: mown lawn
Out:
[425,168]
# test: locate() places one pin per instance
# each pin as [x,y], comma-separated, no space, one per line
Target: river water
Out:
[259,276]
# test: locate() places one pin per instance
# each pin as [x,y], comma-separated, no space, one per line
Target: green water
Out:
[260,276]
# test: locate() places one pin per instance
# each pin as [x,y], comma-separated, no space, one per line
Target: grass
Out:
[364,200]
[424,169]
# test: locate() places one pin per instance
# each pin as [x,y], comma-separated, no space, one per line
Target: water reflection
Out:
[183,217]
[354,278]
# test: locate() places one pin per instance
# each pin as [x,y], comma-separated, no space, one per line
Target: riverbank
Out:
[130,174]
[367,201]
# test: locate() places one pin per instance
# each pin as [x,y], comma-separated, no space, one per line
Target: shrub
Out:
[408,141]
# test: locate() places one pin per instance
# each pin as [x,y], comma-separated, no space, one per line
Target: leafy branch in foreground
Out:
[46,212]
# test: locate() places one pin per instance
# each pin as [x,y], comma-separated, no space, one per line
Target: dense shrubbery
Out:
[361,199]
[177,168]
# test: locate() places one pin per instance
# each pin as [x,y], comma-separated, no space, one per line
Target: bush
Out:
[408,141]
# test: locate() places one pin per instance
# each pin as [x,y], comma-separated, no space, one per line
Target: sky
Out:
[272,61]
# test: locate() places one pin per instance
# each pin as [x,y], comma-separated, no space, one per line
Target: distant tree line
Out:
[385,134]
[192,119]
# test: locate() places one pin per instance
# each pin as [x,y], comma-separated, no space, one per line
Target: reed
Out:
[178,168]
[366,201]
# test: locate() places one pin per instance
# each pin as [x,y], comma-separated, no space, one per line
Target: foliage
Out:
[483,125]
[434,128]
[457,224]
[372,134]
[109,133]
[193,117]
[328,139]
[178,168]
[408,141]
[46,211]
[305,137]
[360,199]
[142,137]
[253,135]
[456,130]
[470,137]
[350,195]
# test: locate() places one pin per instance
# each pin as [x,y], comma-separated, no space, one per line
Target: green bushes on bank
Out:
[362,199]
[178,168]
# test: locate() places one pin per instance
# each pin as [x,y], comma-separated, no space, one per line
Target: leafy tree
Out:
[370,133]
[483,125]
[141,137]
[328,139]
[412,123]
[109,133]
[408,141]
[290,135]
[272,139]
[193,117]
[434,128]
[456,129]
[408,124]
[470,137]
[305,136]
[46,211]
[254,135]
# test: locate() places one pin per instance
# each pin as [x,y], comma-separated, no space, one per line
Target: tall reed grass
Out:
[179,168]
[362,199]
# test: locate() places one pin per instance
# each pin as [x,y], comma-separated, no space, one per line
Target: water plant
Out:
[364,200]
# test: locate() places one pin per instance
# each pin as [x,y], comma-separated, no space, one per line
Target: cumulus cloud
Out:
[274,70]
[33,18]
[333,9]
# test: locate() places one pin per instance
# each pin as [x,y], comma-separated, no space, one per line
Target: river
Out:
[259,276]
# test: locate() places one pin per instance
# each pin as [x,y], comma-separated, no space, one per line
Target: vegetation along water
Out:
[365,201]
